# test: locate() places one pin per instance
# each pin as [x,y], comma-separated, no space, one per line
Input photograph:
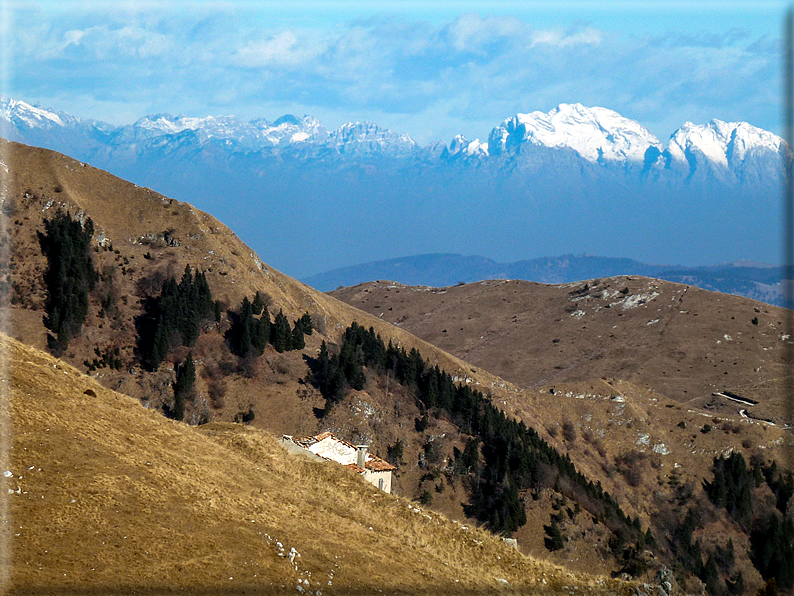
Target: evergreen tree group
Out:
[174,317]
[251,329]
[69,277]
[732,487]
[771,531]
[513,455]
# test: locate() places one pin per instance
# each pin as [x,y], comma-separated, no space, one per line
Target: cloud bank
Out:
[429,80]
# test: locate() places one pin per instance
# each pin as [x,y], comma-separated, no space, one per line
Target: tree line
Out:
[251,329]
[513,456]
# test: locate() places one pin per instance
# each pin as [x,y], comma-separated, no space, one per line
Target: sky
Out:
[430,69]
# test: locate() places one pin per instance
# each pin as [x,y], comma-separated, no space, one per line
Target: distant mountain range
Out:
[759,282]
[576,179]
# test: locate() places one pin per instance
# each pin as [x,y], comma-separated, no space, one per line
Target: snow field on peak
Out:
[595,133]
[721,142]
[29,114]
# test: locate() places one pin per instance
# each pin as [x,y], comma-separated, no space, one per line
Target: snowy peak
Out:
[369,138]
[460,146]
[731,151]
[723,143]
[289,129]
[24,115]
[597,134]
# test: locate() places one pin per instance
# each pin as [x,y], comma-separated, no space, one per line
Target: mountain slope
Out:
[597,134]
[141,238]
[684,342]
[158,506]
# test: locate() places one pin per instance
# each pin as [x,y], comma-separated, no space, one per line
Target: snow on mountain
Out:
[597,134]
[289,130]
[25,116]
[720,147]
[730,151]
[461,146]
[366,137]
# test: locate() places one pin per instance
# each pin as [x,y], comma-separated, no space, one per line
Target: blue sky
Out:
[431,69]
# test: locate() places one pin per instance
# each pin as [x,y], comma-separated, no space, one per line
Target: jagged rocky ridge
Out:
[597,135]
[573,180]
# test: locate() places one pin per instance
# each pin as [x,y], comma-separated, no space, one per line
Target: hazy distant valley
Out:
[763,283]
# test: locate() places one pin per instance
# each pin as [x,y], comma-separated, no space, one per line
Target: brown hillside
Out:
[626,434]
[104,496]
[683,342]
[630,402]
[141,238]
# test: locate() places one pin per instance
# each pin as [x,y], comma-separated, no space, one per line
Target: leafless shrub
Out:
[248,365]
[217,393]
[227,366]
[630,465]
[732,427]
[281,366]
[552,430]
[599,445]
[569,431]
[151,284]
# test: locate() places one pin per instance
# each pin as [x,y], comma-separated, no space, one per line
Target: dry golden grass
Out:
[107,497]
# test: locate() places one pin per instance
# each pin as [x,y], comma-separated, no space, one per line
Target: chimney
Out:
[361,456]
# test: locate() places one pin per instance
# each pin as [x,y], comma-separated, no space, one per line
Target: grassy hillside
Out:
[104,496]
[684,342]
[625,435]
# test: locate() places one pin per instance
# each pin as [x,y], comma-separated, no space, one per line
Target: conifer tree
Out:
[258,304]
[297,342]
[261,334]
[280,333]
[69,277]
[305,324]
[174,317]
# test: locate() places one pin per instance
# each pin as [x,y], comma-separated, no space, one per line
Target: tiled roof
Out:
[327,446]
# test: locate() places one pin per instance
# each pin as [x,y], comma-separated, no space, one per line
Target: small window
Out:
[380,483]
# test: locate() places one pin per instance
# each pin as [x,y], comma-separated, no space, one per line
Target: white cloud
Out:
[472,33]
[562,39]
[476,69]
[284,49]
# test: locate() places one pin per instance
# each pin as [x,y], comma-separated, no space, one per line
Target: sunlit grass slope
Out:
[104,496]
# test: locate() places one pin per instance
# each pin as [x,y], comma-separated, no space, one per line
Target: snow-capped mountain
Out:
[20,114]
[369,138]
[732,151]
[460,146]
[572,180]
[597,134]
